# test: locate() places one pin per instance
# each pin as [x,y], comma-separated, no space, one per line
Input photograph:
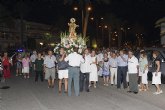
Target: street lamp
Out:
[89,8]
[92,18]
[75,8]
[41,44]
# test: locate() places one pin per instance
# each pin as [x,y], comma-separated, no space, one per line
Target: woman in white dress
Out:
[156,75]
[93,77]
[143,70]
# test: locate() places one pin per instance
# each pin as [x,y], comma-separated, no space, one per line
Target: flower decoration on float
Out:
[71,39]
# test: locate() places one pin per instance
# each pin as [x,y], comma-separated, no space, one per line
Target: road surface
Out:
[28,95]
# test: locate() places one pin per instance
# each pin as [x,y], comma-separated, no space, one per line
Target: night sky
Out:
[143,12]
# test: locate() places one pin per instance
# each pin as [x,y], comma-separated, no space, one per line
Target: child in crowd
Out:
[106,69]
[25,68]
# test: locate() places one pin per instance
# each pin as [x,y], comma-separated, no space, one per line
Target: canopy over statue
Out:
[72,29]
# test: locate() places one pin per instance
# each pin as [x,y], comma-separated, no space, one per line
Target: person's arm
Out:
[158,67]
[67,58]
[45,61]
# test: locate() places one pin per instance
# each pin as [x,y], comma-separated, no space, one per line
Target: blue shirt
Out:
[121,62]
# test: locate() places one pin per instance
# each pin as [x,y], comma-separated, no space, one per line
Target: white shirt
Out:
[132,65]
[99,57]
[33,58]
[74,59]
[85,67]
[113,62]
[49,62]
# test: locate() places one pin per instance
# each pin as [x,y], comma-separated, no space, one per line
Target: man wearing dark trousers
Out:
[85,71]
[122,69]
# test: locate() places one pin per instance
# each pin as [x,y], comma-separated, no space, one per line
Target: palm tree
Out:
[83,4]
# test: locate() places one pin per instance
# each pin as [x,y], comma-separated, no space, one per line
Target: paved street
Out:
[28,95]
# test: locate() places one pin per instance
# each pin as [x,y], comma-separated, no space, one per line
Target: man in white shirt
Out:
[85,69]
[33,58]
[133,72]
[49,67]
[74,59]
[113,68]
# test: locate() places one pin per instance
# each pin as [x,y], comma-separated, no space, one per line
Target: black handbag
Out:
[62,65]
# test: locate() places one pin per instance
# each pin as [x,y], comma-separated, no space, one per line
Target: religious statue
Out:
[72,29]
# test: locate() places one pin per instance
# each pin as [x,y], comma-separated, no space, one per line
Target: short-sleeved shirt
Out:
[158,58]
[39,64]
[74,59]
[49,61]
[33,58]
[113,62]
[142,63]
[132,65]
[25,62]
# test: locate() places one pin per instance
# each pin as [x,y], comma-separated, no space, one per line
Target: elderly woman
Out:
[156,75]
[143,71]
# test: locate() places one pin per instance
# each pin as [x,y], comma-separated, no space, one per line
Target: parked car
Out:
[149,52]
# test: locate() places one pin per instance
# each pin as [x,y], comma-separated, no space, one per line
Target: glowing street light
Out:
[89,8]
[75,8]
[105,26]
[102,18]
[92,18]
[41,43]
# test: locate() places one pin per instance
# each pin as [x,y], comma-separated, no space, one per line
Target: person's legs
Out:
[133,82]
[157,88]
[124,72]
[104,78]
[107,80]
[87,82]
[52,70]
[76,81]
[112,75]
[17,73]
[70,74]
[41,76]
[81,81]
[94,84]
[36,76]
[119,77]
[66,84]
[115,71]
[60,85]
[47,77]
[130,83]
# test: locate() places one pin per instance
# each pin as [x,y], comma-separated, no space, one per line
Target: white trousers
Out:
[113,75]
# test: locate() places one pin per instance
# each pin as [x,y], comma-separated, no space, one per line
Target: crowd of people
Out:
[117,67]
